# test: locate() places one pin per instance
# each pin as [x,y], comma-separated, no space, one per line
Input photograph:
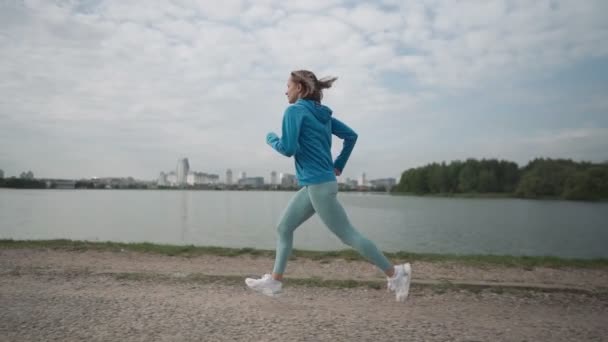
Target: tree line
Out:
[21,183]
[540,178]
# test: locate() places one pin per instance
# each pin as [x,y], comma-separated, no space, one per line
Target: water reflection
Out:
[184,203]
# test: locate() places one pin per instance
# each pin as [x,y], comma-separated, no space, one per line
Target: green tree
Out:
[590,184]
[438,181]
[454,175]
[487,181]
[508,176]
[558,178]
[546,177]
[467,179]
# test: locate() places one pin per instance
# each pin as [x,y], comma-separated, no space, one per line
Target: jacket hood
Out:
[321,112]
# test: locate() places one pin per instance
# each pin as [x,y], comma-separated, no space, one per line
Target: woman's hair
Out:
[312,88]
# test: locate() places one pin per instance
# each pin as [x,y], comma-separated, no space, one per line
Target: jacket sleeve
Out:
[339,129]
[287,144]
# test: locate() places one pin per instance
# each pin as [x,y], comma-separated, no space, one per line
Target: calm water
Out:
[247,219]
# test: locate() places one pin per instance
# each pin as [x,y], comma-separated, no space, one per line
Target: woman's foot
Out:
[266,285]
[400,281]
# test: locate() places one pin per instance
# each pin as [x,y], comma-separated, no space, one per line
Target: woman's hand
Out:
[337,172]
[270,137]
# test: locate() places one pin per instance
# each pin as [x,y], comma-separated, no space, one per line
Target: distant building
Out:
[351,183]
[183,167]
[193,178]
[273,178]
[229,177]
[255,182]
[162,179]
[201,178]
[114,182]
[386,183]
[1,173]
[288,179]
[243,175]
[61,184]
[363,180]
[172,179]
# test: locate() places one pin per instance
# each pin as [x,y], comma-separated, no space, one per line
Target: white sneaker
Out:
[266,285]
[400,281]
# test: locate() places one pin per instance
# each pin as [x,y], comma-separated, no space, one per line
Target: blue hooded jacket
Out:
[307,131]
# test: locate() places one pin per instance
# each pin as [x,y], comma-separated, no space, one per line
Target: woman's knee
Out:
[284,229]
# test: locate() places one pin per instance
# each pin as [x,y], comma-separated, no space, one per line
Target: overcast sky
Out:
[125,88]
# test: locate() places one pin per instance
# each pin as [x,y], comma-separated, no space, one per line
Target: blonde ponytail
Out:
[312,88]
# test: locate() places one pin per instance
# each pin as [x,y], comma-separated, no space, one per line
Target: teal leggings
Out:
[322,199]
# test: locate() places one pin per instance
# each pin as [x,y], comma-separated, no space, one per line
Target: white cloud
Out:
[196,78]
[369,19]
[461,43]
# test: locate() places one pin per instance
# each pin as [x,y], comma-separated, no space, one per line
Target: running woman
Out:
[306,135]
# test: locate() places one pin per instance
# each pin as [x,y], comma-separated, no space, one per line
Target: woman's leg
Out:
[325,203]
[298,210]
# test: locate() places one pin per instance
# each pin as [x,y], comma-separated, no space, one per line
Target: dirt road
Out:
[102,296]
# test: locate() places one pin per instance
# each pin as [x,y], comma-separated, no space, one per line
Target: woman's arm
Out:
[287,144]
[342,131]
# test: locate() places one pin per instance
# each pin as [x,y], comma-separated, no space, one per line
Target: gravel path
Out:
[55,295]
[116,262]
[93,307]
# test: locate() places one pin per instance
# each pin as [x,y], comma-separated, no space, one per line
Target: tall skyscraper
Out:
[273,178]
[243,175]
[183,167]
[229,177]
[363,181]
[1,173]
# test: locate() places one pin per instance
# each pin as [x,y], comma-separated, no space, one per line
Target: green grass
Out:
[144,247]
[526,262]
[458,195]
[491,195]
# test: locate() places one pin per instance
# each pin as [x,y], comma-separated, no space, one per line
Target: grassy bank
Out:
[322,256]
[489,195]
[492,195]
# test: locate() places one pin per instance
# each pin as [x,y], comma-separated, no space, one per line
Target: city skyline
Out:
[123,92]
[267,177]
[183,173]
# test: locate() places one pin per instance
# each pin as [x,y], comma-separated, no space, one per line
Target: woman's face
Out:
[293,91]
